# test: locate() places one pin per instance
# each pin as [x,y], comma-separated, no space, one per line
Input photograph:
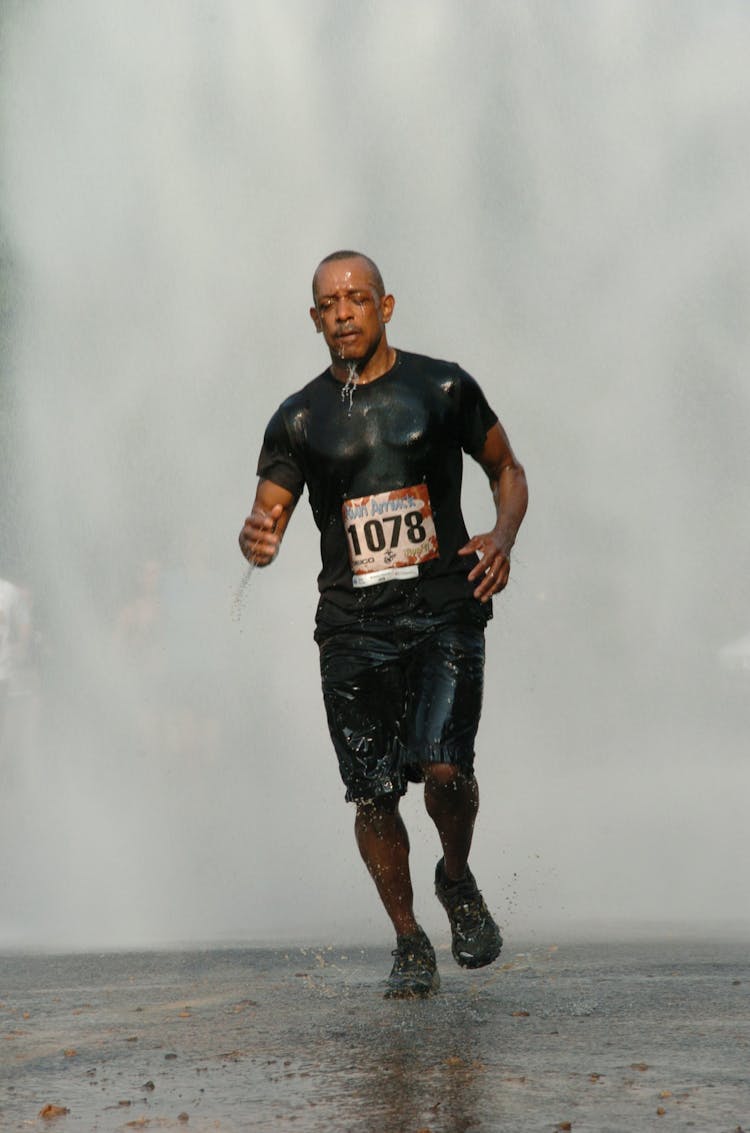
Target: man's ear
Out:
[387,303]
[316,319]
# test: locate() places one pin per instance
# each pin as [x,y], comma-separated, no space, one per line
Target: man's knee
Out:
[376,814]
[445,775]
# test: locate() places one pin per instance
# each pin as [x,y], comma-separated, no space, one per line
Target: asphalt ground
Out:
[645,1035]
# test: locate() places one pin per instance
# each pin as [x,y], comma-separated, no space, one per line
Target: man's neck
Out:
[380,363]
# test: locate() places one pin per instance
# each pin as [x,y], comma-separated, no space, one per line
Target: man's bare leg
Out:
[452,802]
[384,845]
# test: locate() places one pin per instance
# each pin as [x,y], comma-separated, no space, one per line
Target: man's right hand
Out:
[259,539]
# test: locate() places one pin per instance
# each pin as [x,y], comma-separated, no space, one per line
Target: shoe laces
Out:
[410,949]
[466,899]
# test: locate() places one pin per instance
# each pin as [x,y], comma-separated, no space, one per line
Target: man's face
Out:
[349,312]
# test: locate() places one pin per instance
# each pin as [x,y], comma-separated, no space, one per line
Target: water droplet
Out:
[240,594]
[347,390]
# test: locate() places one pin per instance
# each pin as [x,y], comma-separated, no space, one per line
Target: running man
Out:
[405,594]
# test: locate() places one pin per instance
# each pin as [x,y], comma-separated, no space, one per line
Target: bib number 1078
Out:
[380,534]
[389,534]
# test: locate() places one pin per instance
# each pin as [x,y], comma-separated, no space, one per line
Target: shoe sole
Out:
[465,960]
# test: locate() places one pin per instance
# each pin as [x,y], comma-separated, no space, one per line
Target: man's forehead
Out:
[343,275]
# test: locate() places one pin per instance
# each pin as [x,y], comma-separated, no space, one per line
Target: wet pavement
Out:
[647,1035]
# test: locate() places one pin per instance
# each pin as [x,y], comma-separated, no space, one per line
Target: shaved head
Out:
[372,268]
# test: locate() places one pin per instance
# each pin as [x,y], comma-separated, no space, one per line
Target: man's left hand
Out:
[493,569]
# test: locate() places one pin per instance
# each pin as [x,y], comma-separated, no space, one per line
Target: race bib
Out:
[389,535]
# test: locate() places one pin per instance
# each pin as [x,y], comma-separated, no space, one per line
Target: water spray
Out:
[240,594]
[347,390]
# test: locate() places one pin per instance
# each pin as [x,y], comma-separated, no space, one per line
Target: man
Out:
[14,639]
[405,594]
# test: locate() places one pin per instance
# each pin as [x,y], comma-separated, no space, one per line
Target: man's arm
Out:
[263,530]
[510,493]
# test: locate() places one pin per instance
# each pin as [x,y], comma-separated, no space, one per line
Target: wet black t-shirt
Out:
[383,467]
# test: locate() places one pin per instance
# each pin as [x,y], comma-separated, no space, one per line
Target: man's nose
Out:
[343,309]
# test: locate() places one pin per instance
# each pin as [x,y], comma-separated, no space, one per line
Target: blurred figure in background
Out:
[15,634]
[139,636]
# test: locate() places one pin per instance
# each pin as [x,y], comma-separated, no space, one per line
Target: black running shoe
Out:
[476,937]
[414,974]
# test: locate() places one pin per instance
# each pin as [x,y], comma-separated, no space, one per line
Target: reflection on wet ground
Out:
[596,1037]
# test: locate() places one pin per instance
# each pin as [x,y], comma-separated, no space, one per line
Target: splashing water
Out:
[347,390]
[240,595]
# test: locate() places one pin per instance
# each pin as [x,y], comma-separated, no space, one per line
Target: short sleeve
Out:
[477,418]
[277,461]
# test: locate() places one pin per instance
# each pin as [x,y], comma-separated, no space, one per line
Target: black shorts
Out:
[401,692]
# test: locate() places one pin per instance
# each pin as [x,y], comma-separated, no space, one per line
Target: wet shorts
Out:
[401,692]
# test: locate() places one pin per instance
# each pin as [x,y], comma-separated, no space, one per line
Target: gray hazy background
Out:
[557,194]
